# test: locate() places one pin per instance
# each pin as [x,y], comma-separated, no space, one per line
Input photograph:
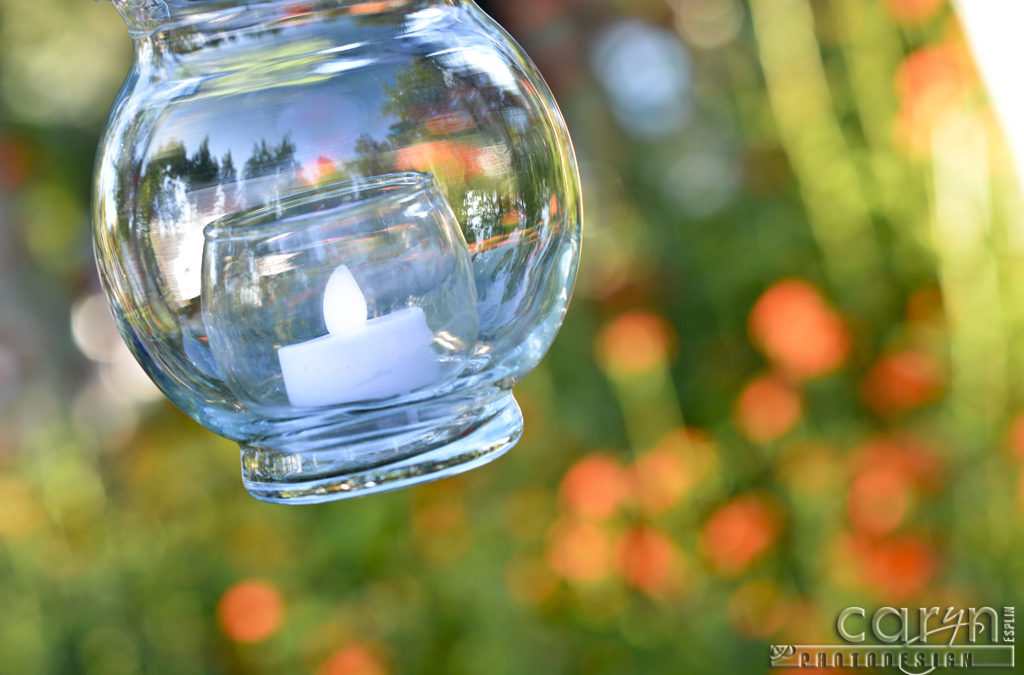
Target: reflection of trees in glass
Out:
[173,178]
[228,173]
[418,94]
[268,159]
[373,158]
[450,120]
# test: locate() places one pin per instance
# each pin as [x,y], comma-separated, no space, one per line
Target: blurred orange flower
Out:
[250,611]
[795,328]
[902,381]
[650,561]
[635,342]
[908,457]
[767,409]
[595,486]
[661,477]
[580,551]
[664,475]
[355,659]
[878,500]
[899,568]
[912,11]
[739,532]
[931,82]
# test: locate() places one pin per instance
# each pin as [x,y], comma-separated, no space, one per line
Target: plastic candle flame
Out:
[344,303]
[359,358]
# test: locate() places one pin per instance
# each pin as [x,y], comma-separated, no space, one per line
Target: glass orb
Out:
[270,167]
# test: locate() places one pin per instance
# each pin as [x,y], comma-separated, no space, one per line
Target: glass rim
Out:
[268,216]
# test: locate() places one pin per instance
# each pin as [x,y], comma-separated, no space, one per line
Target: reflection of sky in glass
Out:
[326,122]
[479,59]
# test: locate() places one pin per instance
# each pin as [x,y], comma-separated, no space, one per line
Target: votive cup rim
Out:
[250,223]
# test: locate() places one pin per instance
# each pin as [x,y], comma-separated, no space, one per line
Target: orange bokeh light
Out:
[580,551]
[595,486]
[767,409]
[795,328]
[878,500]
[906,456]
[899,568]
[739,532]
[912,11]
[931,82]
[635,342]
[661,477]
[649,560]
[250,611]
[355,659]
[902,381]
[1016,435]
[664,475]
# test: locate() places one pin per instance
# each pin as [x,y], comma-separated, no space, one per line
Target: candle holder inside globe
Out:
[346,316]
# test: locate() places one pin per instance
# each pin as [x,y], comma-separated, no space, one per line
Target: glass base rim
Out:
[492,430]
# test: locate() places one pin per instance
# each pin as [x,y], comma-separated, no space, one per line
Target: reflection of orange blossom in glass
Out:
[359,359]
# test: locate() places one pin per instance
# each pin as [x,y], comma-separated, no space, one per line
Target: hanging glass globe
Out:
[337,232]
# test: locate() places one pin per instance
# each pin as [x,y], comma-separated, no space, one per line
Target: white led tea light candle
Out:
[359,358]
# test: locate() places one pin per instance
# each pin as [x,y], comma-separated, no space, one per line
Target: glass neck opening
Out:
[148,17]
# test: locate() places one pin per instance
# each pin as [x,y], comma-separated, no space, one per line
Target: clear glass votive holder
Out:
[344,317]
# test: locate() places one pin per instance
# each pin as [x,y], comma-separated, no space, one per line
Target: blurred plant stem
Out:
[869,51]
[650,405]
[968,272]
[808,130]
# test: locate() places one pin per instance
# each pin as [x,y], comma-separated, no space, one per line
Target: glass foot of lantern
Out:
[383,450]
[346,316]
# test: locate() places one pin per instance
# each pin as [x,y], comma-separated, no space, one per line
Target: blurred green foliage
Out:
[789,381]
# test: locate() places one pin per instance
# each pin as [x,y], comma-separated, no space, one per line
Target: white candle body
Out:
[385,356]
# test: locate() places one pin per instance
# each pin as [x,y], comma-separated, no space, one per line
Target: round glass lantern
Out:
[337,232]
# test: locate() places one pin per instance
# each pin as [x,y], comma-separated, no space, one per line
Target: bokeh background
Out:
[789,381]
